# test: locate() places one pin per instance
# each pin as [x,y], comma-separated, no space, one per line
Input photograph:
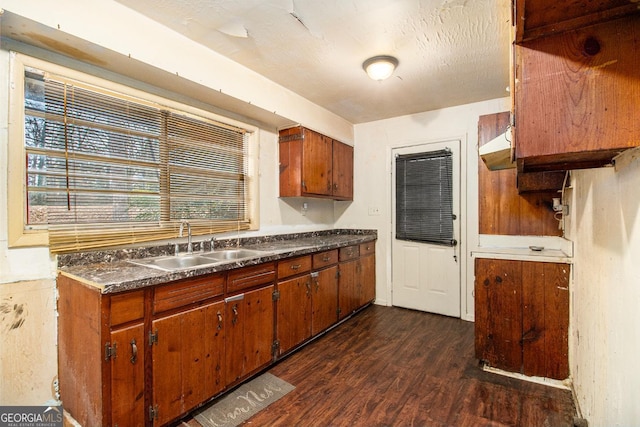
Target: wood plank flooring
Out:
[390,366]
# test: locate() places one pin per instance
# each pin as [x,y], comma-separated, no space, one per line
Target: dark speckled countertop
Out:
[112,271]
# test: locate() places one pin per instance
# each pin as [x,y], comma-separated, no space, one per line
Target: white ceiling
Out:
[451,52]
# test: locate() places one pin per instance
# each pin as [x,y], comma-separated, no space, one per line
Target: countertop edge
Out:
[121,276]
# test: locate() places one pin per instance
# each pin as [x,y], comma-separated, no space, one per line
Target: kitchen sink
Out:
[188,261]
[233,254]
[171,263]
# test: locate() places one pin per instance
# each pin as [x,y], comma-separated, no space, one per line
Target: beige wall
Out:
[604,222]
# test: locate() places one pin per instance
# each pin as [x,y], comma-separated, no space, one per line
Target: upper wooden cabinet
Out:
[539,18]
[576,90]
[314,165]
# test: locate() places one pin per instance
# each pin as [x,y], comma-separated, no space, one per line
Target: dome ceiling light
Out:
[380,67]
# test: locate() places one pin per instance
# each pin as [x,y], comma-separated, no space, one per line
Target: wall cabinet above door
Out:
[314,165]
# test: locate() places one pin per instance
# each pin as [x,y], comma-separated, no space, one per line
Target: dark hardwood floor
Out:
[390,366]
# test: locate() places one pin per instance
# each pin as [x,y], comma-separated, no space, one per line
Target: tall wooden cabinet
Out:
[314,165]
[577,83]
[522,316]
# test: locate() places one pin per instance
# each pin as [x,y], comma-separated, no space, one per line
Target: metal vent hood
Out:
[496,154]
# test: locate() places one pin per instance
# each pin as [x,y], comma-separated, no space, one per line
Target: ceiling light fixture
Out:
[380,67]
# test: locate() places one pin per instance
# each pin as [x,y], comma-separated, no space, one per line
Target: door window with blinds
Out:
[107,168]
[424,197]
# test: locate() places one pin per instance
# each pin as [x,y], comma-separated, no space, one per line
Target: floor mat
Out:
[244,402]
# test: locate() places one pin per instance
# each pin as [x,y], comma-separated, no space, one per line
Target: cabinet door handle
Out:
[134,351]
[308,285]
[317,286]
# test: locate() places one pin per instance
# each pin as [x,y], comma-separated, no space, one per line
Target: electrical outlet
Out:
[374,211]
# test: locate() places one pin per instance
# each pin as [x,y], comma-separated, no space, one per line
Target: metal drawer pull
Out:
[295,266]
[134,351]
[234,298]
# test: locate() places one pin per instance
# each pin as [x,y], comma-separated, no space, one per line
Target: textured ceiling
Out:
[451,52]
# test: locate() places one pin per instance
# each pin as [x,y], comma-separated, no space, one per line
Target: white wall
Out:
[604,223]
[372,181]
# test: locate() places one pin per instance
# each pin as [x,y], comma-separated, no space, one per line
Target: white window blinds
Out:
[104,168]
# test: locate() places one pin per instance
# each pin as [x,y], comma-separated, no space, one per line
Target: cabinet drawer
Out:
[367,248]
[187,292]
[127,307]
[324,259]
[293,266]
[251,276]
[350,252]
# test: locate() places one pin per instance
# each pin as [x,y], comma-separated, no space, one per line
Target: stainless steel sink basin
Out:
[185,262]
[172,263]
[233,254]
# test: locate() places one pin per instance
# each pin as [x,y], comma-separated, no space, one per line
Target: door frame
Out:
[468,167]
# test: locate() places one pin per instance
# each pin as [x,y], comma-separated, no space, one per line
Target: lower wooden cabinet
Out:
[357,278]
[324,301]
[127,375]
[522,316]
[188,354]
[148,356]
[293,321]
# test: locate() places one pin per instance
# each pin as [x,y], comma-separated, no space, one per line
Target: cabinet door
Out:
[545,327]
[127,376]
[522,316]
[348,298]
[324,300]
[250,332]
[498,313]
[342,171]
[317,164]
[366,279]
[294,312]
[186,360]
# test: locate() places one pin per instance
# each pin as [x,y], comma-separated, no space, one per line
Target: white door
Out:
[425,275]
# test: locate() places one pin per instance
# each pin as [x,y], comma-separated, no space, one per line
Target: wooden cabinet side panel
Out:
[577,93]
[293,323]
[325,299]
[127,377]
[498,322]
[81,351]
[501,210]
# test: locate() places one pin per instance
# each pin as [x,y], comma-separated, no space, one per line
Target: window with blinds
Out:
[105,169]
[424,197]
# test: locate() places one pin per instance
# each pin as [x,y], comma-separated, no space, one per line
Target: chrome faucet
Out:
[189,242]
